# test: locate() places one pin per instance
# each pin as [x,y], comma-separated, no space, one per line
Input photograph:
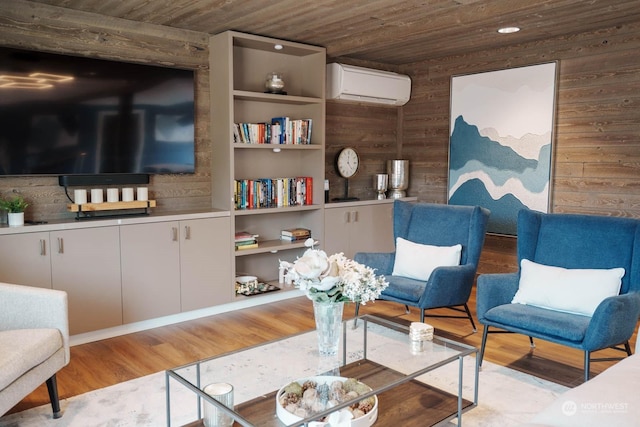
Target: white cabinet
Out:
[240,64]
[121,273]
[174,266]
[25,259]
[358,228]
[150,258]
[204,263]
[86,264]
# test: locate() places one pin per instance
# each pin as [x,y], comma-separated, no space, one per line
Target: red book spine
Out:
[309,192]
[250,195]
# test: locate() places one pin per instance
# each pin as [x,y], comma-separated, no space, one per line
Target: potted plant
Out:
[15,206]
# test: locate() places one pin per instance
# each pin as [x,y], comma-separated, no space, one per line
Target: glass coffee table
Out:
[416,385]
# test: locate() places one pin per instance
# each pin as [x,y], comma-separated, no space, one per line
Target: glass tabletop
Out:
[376,351]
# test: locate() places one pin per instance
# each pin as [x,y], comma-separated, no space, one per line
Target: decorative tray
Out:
[261,288]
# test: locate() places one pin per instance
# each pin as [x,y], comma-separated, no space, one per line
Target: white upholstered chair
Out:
[34,342]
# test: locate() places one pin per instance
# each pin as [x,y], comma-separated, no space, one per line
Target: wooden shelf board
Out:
[280,146]
[111,206]
[262,211]
[271,97]
[271,246]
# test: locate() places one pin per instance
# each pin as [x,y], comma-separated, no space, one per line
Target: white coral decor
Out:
[333,278]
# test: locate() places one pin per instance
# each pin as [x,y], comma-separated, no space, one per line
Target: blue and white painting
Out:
[500,142]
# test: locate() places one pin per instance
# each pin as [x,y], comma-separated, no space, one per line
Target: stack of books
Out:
[294,234]
[245,240]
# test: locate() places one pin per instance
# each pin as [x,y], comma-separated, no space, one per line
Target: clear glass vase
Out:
[328,317]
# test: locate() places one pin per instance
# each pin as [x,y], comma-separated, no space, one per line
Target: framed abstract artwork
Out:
[500,142]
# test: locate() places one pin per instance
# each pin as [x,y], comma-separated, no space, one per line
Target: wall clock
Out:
[347,164]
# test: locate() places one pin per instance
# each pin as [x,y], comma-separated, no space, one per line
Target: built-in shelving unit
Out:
[239,67]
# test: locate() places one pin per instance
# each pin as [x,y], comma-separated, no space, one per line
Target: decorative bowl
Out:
[288,418]
[246,284]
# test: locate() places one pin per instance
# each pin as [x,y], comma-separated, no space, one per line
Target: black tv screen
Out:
[73,115]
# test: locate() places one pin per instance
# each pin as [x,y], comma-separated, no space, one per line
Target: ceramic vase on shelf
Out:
[328,316]
[16,219]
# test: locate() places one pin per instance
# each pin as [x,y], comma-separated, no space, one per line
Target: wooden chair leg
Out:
[52,388]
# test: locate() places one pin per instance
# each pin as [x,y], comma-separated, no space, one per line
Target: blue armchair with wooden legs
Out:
[578,284]
[426,233]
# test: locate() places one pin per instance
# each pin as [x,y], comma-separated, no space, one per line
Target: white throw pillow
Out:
[577,291]
[417,261]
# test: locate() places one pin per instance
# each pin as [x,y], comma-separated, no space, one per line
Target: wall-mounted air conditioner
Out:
[361,84]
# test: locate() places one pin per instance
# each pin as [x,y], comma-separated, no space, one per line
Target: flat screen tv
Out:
[66,115]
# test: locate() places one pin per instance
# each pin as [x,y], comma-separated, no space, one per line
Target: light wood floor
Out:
[107,362]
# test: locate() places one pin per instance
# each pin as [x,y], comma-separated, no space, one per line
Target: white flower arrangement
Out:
[333,278]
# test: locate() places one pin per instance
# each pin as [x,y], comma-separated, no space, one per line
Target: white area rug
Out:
[506,398]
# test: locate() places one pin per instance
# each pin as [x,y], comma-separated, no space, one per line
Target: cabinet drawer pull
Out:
[60,245]
[43,247]
[187,232]
[174,234]
[354,216]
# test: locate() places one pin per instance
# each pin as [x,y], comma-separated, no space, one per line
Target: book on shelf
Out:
[294,238]
[296,232]
[246,242]
[244,236]
[246,246]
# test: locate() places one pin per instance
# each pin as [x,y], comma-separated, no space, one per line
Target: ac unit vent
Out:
[351,83]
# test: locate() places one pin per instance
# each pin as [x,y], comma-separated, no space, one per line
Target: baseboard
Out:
[129,328]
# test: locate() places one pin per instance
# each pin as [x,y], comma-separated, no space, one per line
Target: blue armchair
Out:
[436,225]
[571,242]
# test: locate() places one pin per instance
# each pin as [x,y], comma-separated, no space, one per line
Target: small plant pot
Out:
[16,219]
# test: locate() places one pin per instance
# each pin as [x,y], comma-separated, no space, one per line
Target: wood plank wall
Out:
[372,131]
[41,27]
[597,141]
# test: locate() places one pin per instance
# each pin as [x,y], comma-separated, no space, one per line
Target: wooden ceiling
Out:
[385,31]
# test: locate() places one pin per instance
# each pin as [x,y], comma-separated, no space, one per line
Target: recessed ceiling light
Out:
[508,30]
[278,47]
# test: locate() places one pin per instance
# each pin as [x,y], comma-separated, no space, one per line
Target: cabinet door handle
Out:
[60,245]
[43,247]
[354,216]
[187,232]
[174,234]
[347,217]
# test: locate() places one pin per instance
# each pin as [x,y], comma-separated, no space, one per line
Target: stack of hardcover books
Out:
[245,240]
[294,234]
